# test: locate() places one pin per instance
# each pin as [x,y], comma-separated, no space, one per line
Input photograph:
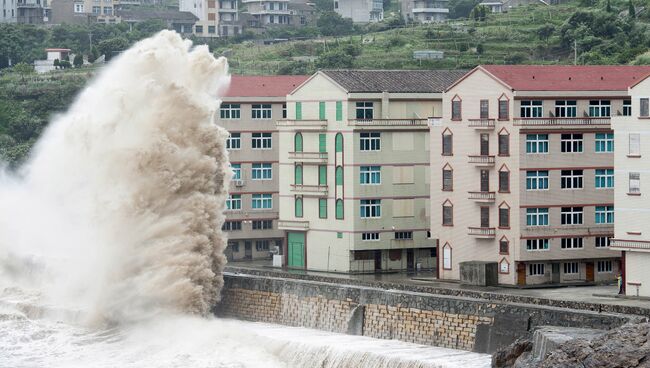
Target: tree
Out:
[461,8]
[57,63]
[480,49]
[545,31]
[631,10]
[23,69]
[65,64]
[78,61]
[608,8]
[93,54]
[112,46]
[332,24]
[336,59]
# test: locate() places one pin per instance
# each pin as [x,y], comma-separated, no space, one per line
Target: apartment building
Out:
[216,18]
[360,11]
[249,111]
[425,11]
[266,12]
[354,170]
[8,14]
[523,171]
[632,135]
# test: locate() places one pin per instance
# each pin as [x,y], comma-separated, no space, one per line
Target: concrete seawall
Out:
[452,321]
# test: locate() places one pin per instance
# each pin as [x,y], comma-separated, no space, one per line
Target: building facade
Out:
[360,11]
[264,12]
[632,135]
[354,170]
[249,111]
[216,18]
[8,14]
[523,171]
[425,11]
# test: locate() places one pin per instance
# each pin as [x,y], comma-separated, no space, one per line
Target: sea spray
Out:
[118,211]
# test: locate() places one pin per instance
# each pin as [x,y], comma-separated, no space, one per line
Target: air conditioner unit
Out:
[239,183]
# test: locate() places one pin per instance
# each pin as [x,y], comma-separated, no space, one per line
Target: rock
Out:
[506,357]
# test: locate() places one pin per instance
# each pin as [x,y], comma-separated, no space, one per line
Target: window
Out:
[370,208]
[627,107]
[262,245]
[571,243]
[536,244]
[635,182]
[537,180]
[504,181]
[322,208]
[604,214]
[571,216]
[536,143]
[338,175]
[484,109]
[322,175]
[370,175]
[230,111]
[370,236]
[322,143]
[504,217]
[78,8]
[262,171]
[485,217]
[365,110]
[565,109]
[503,109]
[446,257]
[604,142]
[339,209]
[234,246]
[447,214]
[571,143]
[455,109]
[236,171]
[262,201]
[536,269]
[234,141]
[284,111]
[447,179]
[604,178]
[298,110]
[338,142]
[635,144]
[233,202]
[531,109]
[403,235]
[571,268]
[297,175]
[370,141]
[536,216]
[261,140]
[504,246]
[504,144]
[571,179]
[603,241]
[297,142]
[447,143]
[599,108]
[339,110]
[604,266]
[231,226]
[643,107]
[97,9]
[198,29]
[298,207]
[262,224]
[321,110]
[261,111]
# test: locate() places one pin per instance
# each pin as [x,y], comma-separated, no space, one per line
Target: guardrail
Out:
[484,196]
[479,159]
[388,122]
[486,232]
[482,123]
[562,121]
[631,244]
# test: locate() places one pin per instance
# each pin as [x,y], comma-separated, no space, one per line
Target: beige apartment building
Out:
[354,170]
[632,204]
[249,111]
[523,171]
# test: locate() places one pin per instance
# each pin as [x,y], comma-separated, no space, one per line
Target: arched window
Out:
[297,142]
[339,142]
[298,207]
[298,175]
[339,175]
[339,209]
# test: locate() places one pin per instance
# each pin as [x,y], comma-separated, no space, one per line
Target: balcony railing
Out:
[562,121]
[430,9]
[482,196]
[629,244]
[316,124]
[309,189]
[481,160]
[388,122]
[482,232]
[308,156]
[293,225]
[482,123]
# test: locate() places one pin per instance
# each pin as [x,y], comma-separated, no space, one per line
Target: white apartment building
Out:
[360,11]
[425,11]
[217,18]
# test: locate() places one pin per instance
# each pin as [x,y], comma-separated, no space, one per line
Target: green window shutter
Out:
[297,142]
[321,110]
[322,208]
[338,142]
[339,111]
[322,143]
[339,175]
[298,207]
[298,175]
[322,175]
[298,110]
[339,209]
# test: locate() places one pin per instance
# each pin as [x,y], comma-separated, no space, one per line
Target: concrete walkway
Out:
[598,294]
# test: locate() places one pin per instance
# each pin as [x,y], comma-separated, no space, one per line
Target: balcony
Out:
[309,157]
[227,10]
[309,190]
[270,11]
[623,244]
[482,197]
[560,122]
[482,124]
[303,124]
[293,225]
[430,10]
[398,123]
[482,232]
[481,160]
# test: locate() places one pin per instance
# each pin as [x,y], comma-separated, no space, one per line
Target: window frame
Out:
[604,142]
[227,111]
[370,208]
[370,141]
[573,215]
[572,179]
[370,175]
[572,143]
[261,201]
[531,109]
[538,244]
[537,179]
[364,110]
[262,141]
[261,171]
[261,111]
[536,142]
[537,216]
[234,139]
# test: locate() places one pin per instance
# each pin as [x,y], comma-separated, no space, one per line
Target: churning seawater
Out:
[111,253]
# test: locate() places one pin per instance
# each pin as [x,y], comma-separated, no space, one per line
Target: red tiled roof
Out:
[568,77]
[263,86]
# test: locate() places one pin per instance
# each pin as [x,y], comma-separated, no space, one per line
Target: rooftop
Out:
[397,81]
[263,86]
[568,77]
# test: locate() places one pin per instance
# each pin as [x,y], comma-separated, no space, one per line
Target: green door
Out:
[296,253]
